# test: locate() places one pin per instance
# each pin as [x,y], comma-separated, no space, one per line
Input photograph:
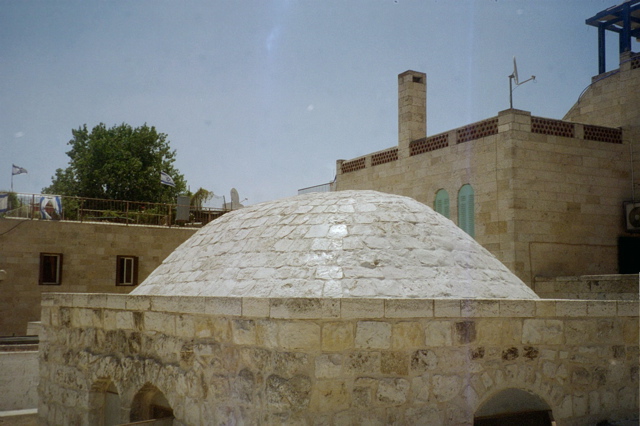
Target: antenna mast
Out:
[514,77]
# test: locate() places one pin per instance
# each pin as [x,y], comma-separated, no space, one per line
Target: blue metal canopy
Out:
[623,19]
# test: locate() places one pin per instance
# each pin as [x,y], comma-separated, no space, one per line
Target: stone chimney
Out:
[412,109]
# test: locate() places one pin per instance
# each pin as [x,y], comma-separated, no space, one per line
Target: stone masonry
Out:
[330,361]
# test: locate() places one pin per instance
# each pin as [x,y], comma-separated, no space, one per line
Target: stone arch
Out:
[513,406]
[105,403]
[150,403]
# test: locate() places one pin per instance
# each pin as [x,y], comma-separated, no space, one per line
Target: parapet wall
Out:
[335,361]
[588,287]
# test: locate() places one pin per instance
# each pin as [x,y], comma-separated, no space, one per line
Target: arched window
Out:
[441,204]
[466,210]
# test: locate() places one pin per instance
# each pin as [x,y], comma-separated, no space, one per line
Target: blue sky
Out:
[265,96]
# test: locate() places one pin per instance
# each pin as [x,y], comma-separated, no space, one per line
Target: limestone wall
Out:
[89,261]
[548,198]
[18,380]
[332,361]
[588,287]
[613,98]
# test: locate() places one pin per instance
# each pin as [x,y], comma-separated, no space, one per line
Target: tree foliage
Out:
[119,163]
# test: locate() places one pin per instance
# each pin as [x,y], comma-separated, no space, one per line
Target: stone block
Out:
[408,308]
[628,308]
[394,363]
[602,308]
[362,308]
[116,301]
[517,308]
[499,332]
[223,306]
[330,395]
[303,336]
[438,333]
[303,308]
[177,304]
[407,335]
[337,336]
[446,387]
[392,391]
[542,331]
[571,308]
[363,362]
[255,307]
[446,308]
[545,308]
[328,366]
[161,322]
[373,335]
[243,331]
[480,308]
[138,303]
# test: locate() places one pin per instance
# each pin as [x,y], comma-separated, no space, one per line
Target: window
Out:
[50,269]
[466,210]
[441,204]
[127,270]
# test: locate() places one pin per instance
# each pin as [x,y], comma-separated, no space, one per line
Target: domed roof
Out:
[334,244]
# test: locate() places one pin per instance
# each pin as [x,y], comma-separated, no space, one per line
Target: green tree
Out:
[118,163]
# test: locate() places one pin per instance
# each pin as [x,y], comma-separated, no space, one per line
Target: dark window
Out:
[50,269]
[127,270]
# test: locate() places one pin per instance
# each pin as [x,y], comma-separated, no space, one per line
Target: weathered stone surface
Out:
[401,249]
[288,394]
[392,391]
[373,335]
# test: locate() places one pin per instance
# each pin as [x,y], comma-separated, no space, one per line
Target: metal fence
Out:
[58,207]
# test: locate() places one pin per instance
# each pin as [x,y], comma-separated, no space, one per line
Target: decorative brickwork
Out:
[423,145]
[602,134]
[635,62]
[353,165]
[477,130]
[384,157]
[546,126]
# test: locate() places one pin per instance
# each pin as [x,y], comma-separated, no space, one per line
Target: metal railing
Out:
[59,207]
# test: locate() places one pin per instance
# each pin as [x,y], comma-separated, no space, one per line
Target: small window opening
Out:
[50,268]
[127,270]
[417,79]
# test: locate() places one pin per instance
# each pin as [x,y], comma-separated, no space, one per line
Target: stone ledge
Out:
[354,308]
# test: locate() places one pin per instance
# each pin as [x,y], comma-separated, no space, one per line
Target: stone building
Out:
[82,258]
[547,197]
[348,307]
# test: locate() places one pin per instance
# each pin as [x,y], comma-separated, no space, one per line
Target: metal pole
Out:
[510,92]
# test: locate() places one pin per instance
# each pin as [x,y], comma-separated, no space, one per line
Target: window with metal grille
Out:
[441,204]
[127,270]
[50,269]
[466,210]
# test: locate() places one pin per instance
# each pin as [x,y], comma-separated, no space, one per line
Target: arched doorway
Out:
[105,403]
[514,407]
[151,404]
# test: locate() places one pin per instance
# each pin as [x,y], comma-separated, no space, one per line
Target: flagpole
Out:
[11,178]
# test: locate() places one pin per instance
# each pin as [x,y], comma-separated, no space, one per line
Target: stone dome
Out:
[342,244]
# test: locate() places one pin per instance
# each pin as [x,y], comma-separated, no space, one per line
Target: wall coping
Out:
[326,308]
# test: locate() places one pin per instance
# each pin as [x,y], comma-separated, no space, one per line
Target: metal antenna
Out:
[512,77]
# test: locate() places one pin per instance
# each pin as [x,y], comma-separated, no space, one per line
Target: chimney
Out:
[412,109]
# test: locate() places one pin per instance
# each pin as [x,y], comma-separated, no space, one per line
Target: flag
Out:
[4,202]
[18,170]
[165,179]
